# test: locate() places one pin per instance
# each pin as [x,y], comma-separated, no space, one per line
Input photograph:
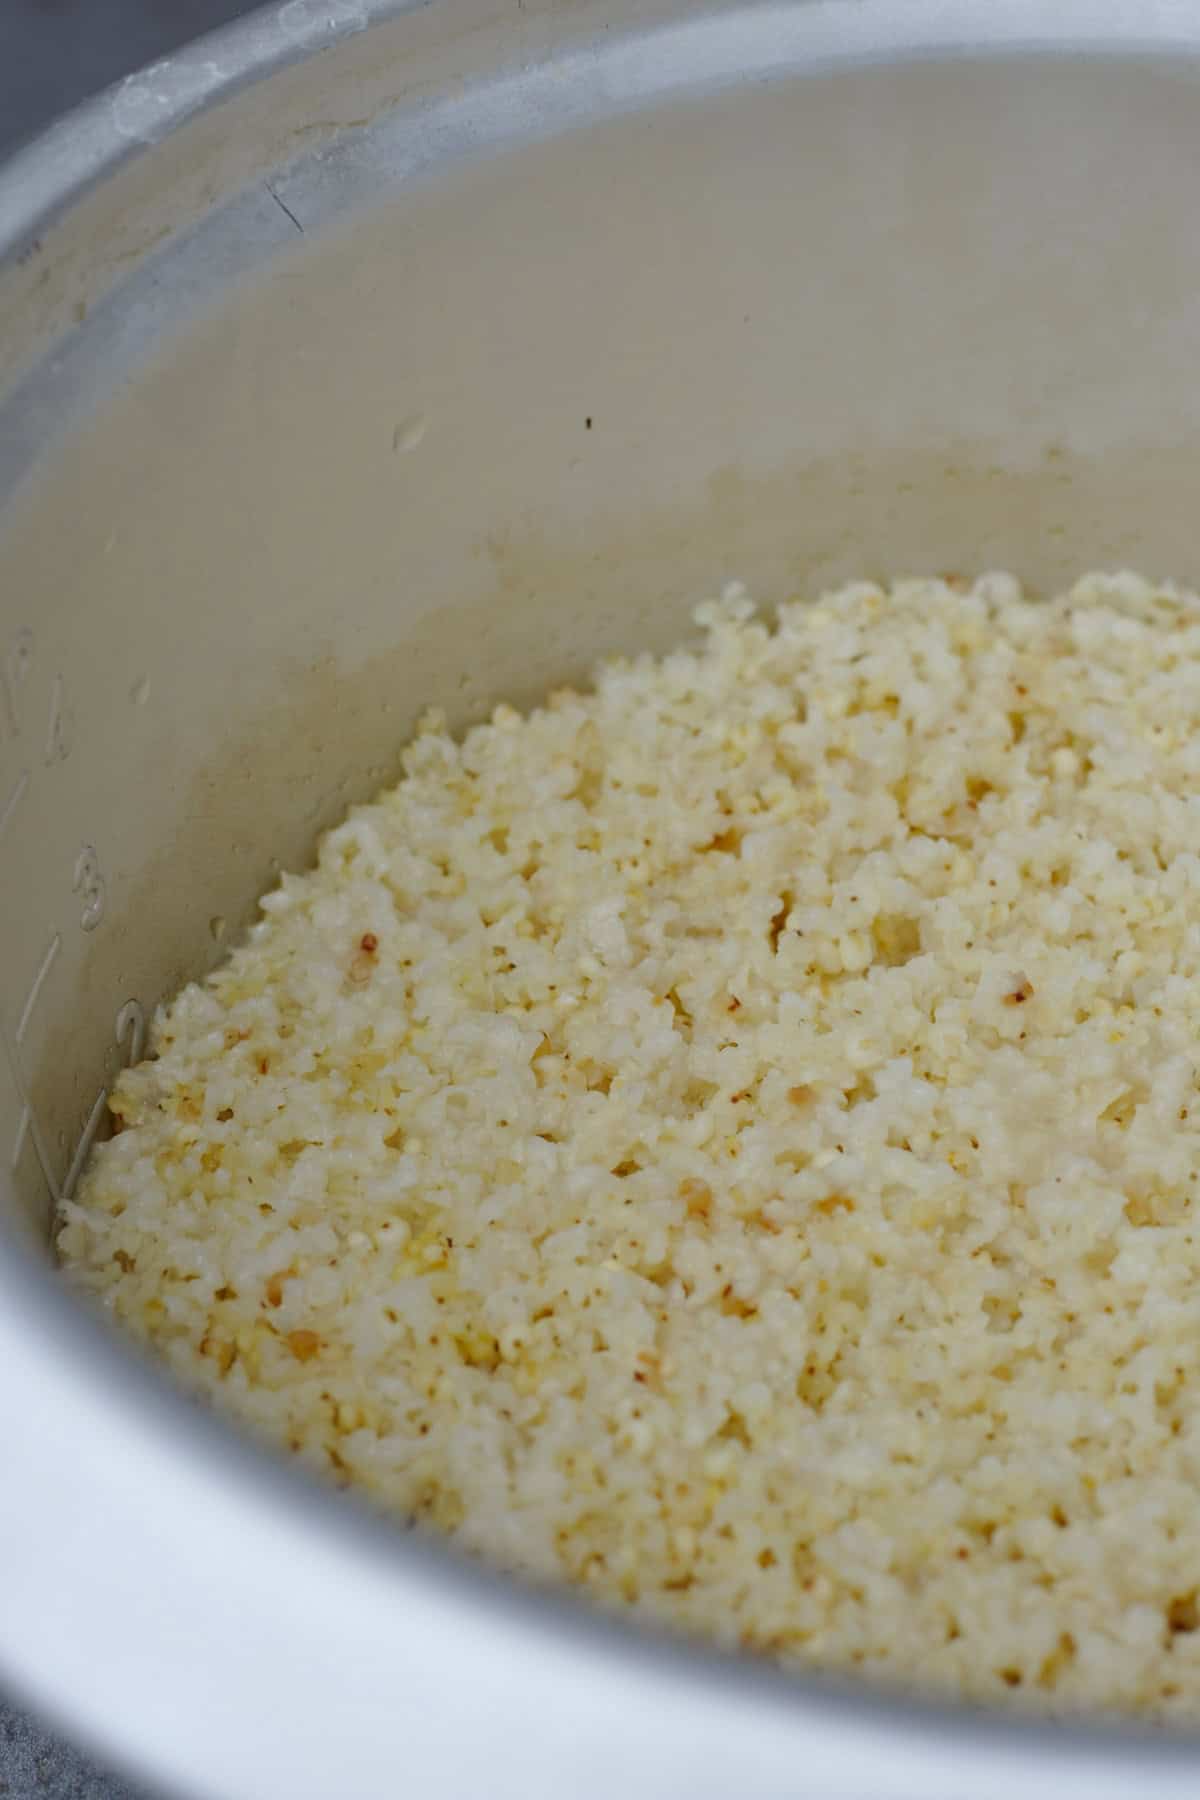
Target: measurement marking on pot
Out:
[130,1032]
[39,981]
[131,1024]
[58,727]
[27,1126]
[90,885]
[8,810]
[18,661]
[83,1147]
[22,1134]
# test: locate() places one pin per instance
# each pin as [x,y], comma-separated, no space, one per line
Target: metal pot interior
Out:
[432,366]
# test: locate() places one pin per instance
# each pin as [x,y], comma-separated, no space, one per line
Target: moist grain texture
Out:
[730,1140]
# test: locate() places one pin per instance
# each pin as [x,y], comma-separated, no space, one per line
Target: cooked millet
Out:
[730,1140]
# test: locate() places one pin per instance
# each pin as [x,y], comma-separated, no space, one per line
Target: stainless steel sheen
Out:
[300,335]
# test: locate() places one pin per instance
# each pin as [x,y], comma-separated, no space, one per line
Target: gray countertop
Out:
[36,1765]
[54,53]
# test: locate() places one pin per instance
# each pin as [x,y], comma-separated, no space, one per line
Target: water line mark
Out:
[8,810]
[22,1133]
[28,1126]
[39,981]
[83,1147]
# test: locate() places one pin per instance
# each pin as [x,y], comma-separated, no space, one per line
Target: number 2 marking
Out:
[131,1025]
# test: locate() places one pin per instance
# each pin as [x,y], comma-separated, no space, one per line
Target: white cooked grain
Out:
[731,1140]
